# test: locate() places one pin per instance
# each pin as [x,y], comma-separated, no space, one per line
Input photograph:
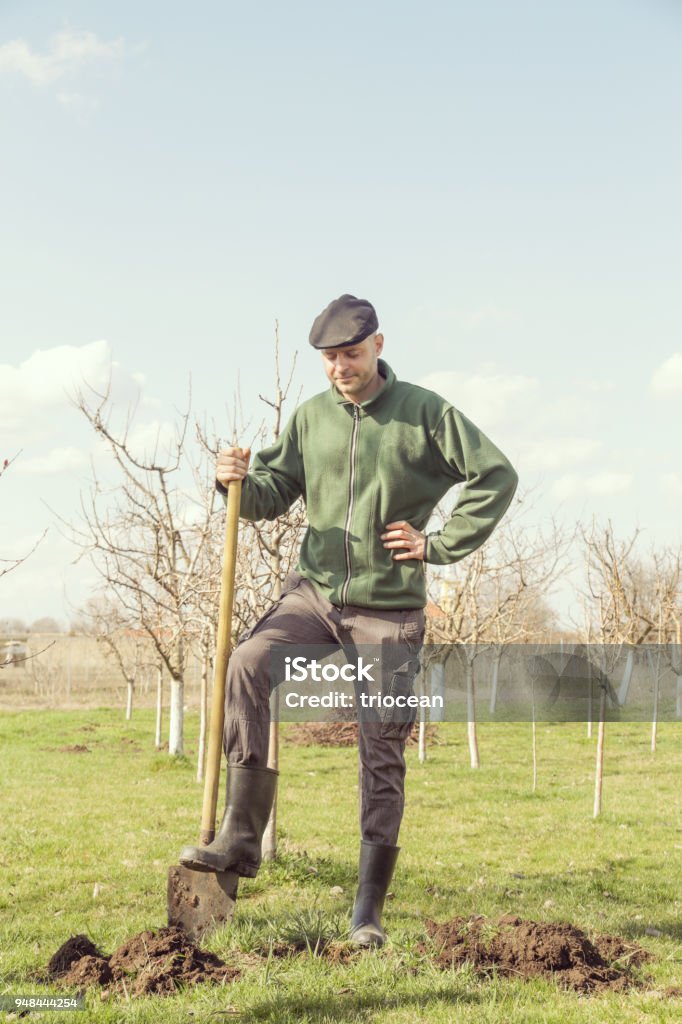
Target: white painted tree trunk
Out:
[129,700]
[471,717]
[627,677]
[269,846]
[422,736]
[654,714]
[437,689]
[493,689]
[176,723]
[159,707]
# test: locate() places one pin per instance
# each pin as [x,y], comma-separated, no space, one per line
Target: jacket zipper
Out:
[351,497]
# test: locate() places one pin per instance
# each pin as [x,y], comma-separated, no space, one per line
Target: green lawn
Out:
[472,842]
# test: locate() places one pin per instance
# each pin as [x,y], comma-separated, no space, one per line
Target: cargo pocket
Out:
[412,628]
[397,717]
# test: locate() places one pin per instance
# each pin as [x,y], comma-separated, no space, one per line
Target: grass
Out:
[472,842]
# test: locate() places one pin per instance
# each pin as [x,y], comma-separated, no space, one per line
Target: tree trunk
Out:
[159,707]
[599,772]
[203,715]
[129,699]
[627,677]
[422,736]
[654,714]
[269,847]
[176,723]
[269,844]
[493,689]
[535,739]
[471,717]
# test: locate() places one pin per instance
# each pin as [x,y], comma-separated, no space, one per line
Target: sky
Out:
[500,179]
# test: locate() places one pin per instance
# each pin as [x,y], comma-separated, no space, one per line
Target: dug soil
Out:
[159,962]
[533,949]
[342,734]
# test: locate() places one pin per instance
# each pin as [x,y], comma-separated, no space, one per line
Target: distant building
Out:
[13,650]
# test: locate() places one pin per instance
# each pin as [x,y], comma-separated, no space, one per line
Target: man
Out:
[371,457]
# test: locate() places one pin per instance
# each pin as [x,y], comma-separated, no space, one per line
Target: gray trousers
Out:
[303,616]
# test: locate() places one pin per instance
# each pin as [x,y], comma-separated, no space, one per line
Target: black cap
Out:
[345,321]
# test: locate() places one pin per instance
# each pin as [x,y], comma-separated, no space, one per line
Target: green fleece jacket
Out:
[360,467]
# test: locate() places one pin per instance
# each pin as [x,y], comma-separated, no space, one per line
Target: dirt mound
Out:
[341,734]
[89,971]
[73,949]
[77,748]
[157,962]
[327,949]
[531,949]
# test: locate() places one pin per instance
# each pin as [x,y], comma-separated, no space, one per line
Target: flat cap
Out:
[345,321]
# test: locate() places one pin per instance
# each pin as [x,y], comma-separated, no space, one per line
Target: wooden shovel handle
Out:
[222,656]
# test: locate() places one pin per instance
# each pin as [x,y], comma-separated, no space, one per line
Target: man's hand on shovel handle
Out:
[401,535]
[232,464]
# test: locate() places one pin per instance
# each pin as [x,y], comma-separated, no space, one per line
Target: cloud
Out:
[557,453]
[485,397]
[67,53]
[667,378]
[32,391]
[45,379]
[59,460]
[598,485]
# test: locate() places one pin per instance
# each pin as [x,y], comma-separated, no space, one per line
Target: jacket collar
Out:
[371,403]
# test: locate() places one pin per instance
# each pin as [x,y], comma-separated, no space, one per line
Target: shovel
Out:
[201,900]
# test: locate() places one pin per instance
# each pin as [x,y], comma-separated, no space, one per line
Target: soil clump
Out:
[158,962]
[327,949]
[533,949]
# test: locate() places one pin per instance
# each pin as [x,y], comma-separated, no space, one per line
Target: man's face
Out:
[353,369]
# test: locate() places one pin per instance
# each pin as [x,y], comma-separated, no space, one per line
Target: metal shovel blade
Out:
[199,901]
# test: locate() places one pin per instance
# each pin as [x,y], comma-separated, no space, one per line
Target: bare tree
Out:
[143,541]
[8,565]
[126,645]
[497,596]
[627,601]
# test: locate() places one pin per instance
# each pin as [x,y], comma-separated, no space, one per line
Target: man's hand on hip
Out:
[411,542]
[232,464]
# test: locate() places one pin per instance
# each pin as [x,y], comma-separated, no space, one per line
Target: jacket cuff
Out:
[220,488]
[429,552]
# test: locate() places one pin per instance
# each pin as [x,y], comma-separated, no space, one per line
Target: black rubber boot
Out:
[377,862]
[237,846]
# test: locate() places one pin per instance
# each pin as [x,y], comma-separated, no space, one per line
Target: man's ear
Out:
[378,343]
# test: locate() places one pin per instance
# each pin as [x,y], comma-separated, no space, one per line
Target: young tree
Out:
[497,596]
[142,540]
[626,603]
